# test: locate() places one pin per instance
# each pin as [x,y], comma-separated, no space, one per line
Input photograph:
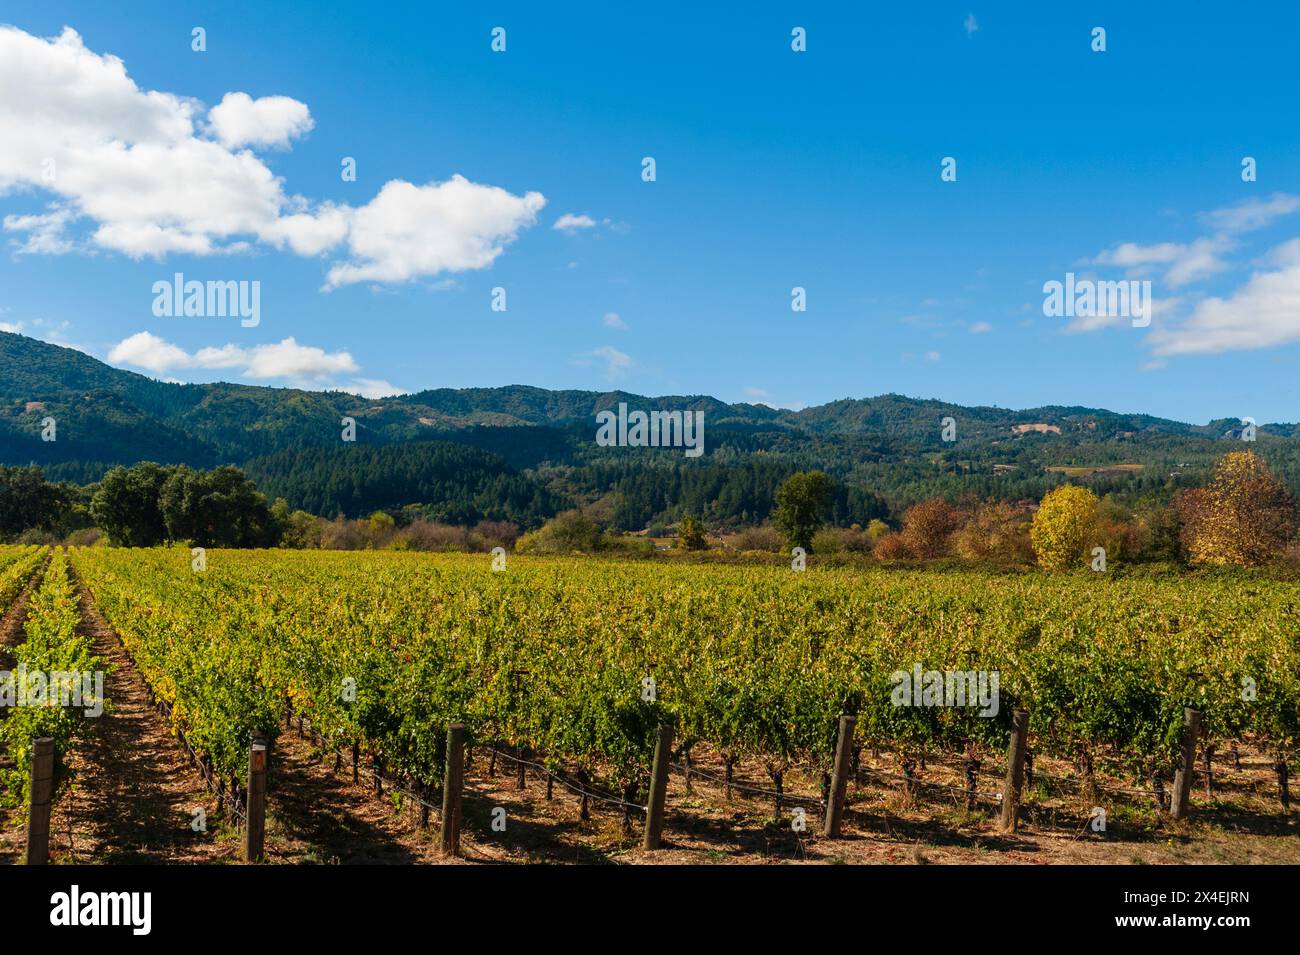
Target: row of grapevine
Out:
[52,646]
[578,660]
[17,564]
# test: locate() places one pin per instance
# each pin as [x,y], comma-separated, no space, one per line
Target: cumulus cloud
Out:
[240,120]
[408,231]
[372,388]
[145,350]
[970,25]
[284,359]
[1263,313]
[151,176]
[612,320]
[980,328]
[572,223]
[310,233]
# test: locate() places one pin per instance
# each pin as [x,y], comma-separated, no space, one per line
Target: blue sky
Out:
[775,169]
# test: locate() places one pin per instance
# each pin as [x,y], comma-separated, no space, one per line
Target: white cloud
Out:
[572,223]
[45,232]
[240,120]
[612,320]
[615,361]
[372,388]
[284,359]
[144,350]
[152,177]
[1182,262]
[15,327]
[980,328]
[1253,213]
[932,356]
[1186,262]
[970,25]
[408,231]
[756,393]
[1262,313]
[310,233]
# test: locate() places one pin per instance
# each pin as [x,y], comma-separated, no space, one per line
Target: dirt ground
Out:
[134,794]
[11,634]
[324,817]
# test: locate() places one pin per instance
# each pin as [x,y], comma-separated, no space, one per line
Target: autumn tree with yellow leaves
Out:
[1244,517]
[1064,526]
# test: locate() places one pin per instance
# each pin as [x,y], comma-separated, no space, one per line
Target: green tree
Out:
[566,533]
[691,534]
[217,508]
[801,504]
[126,508]
[29,501]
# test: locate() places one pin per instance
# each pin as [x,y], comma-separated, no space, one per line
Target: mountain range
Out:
[890,444]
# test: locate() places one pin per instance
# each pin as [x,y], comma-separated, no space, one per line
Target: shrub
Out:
[892,547]
[690,534]
[828,541]
[489,534]
[566,533]
[432,536]
[996,531]
[765,538]
[876,530]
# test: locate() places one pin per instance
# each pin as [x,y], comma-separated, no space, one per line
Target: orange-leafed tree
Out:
[1244,517]
[928,528]
[996,530]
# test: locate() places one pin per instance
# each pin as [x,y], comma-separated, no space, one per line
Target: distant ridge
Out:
[106,416]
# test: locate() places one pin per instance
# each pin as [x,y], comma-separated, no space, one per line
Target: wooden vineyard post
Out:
[1183,778]
[255,826]
[42,786]
[1015,771]
[654,819]
[453,779]
[839,778]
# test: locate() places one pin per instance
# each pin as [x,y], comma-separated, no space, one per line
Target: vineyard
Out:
[574,664]
[52,646]
[568,668]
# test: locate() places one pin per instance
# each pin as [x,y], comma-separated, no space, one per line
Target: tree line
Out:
[1243,516]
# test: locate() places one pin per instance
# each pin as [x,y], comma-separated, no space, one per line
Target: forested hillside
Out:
[526,452]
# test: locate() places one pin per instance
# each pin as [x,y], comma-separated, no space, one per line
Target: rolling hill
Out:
[889,445]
